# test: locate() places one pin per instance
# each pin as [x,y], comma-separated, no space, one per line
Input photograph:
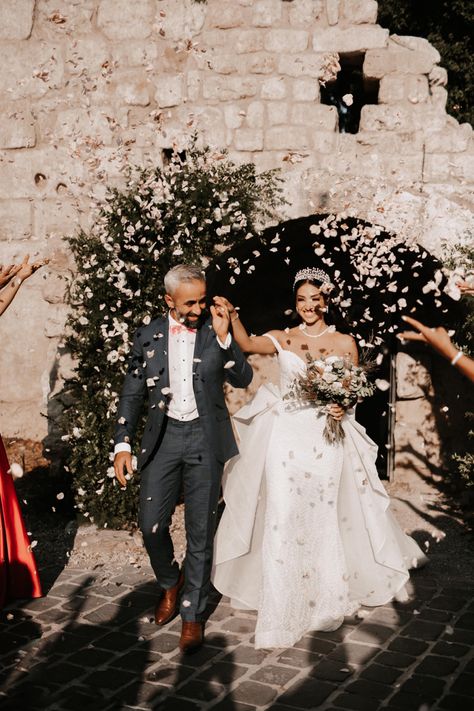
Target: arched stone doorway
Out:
[378,278]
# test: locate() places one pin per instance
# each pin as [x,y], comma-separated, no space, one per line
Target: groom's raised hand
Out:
[122,464]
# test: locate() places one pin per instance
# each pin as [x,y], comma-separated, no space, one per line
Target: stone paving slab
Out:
[91,644]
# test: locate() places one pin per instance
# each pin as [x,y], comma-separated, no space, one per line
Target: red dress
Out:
[19,577]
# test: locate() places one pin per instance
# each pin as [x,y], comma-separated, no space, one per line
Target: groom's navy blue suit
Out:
[181,454]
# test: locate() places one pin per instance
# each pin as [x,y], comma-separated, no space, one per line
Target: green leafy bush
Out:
[187,211]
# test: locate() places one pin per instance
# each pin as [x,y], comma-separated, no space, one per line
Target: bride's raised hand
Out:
[220,320]
[336,411]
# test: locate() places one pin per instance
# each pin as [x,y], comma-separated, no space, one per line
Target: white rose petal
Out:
[229,364]
[60,496]
[16,470]
[382,384]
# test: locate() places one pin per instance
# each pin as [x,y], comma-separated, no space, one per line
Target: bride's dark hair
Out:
[333,316]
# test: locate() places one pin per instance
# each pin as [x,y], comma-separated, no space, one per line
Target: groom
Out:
[181,362]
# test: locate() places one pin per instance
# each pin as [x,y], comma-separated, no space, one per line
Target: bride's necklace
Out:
[312,335]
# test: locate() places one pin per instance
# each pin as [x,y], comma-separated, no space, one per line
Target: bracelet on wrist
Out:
[458,355]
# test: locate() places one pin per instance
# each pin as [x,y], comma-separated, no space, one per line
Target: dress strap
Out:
[274,341]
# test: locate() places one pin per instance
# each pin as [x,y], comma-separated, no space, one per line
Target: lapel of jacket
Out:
[202,336]
[160,338]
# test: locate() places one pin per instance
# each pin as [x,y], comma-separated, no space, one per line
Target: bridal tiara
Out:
[312,274]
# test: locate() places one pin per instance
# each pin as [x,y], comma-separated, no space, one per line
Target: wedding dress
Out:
[306,536]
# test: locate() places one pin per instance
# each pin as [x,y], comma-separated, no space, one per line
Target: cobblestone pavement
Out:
[90,644]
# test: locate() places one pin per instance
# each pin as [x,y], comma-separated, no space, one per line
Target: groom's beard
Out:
[193,323]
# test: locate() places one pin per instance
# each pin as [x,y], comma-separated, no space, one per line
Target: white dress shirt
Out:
[181,402]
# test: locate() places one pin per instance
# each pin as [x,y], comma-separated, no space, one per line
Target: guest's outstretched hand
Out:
[26,269]
[7,272]
[439,340]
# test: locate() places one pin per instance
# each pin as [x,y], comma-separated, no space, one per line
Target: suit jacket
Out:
[148,375]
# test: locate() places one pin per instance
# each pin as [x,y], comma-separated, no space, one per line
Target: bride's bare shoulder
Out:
[344,340]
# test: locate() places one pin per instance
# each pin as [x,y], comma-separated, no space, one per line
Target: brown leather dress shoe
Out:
[191,637]
[166,608]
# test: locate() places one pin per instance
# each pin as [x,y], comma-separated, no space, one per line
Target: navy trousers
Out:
[181,461]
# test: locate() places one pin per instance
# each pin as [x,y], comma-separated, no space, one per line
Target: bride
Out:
[306,536]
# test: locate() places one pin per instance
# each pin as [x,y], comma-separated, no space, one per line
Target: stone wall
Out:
[89,85]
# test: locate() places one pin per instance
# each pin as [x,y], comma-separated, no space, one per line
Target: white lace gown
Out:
[306,536]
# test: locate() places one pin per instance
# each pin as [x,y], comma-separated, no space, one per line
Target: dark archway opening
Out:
[378,278]
[350,91]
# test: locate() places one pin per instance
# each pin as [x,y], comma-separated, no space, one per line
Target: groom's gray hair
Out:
[182,273]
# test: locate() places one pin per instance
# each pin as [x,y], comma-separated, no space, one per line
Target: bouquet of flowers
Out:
[332,380]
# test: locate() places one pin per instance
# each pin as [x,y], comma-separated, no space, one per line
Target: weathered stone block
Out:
[248,139]
[396,88]
[225,14]
[324,142]
[376,117]
[450,140]
[278,112]
[319,116]
[379,62]
[122,20]
[15,220]
[332,11]
[83,126]
[55,218]
[274,88]
[255,114]
[17,126]
[438,76]
[55,18]
[133,88]
[234,115]
[266,13]
[136,53]
[305,89]
[360,11]
[16,19]
[194,83]
[305,12]
[447,168]
[287,138]
[32,70]
[178,19]
[169,90]
[286,41]
[352,39]
[219,89]
[249,41]
[261,64]
[38,172]
[301,65]
[416,44]
[223,64]
[90,54]
[409,143]
[439,97]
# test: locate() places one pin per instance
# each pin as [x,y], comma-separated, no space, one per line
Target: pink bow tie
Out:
[178,328]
